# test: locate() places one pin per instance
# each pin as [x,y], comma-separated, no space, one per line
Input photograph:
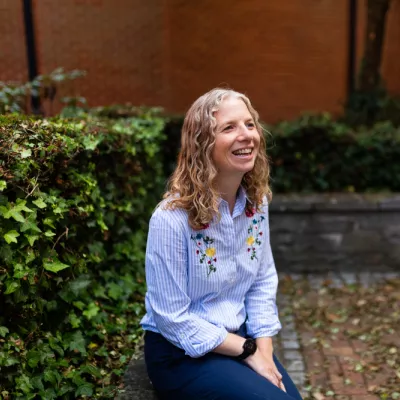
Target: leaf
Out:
[37,382]
[91,311]
[11,236]
[39,203]
[54,266]
[3,185]
[92,370]
[12,286]
[33,358]
[84,390]
[49,234]
[3,331]
[52,376]
[30,225]
[32,239]
[78,342]
[26,153]
[115,291]
[24,384]
[12,213]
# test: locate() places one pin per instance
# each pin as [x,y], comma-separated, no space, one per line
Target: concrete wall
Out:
[329,232]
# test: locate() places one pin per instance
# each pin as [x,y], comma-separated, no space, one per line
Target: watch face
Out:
[250,346]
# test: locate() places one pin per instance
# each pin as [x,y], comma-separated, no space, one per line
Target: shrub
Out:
[75,200]
[317,154]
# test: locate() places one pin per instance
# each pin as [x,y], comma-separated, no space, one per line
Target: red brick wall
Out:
[116,42]
[13,66]
[288,56]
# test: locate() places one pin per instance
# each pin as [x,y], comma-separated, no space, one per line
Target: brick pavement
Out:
[330,369]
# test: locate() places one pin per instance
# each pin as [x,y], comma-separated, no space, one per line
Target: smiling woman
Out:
[211,278]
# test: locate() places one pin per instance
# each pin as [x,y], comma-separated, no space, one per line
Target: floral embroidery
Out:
[255,234]
[207,253]
[250,212]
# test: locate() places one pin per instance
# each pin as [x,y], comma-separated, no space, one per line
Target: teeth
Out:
[243,151]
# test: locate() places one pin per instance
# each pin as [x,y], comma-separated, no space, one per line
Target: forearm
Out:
[264,344]
[232,346]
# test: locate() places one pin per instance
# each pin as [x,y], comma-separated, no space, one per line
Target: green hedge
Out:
[75,200]
[317,154]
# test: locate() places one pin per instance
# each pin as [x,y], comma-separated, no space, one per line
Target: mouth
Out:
[243,152]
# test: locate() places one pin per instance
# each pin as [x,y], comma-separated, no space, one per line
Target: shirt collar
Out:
[240,203]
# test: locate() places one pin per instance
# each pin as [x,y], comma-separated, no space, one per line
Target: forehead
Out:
[231,109]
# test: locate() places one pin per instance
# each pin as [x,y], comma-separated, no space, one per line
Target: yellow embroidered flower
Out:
[250,240]
[211,252]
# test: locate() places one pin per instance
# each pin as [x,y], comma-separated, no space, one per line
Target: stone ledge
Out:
[137,383]
[332,202]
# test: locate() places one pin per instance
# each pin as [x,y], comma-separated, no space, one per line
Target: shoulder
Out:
[169,218]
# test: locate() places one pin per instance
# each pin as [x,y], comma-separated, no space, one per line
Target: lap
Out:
[212,377]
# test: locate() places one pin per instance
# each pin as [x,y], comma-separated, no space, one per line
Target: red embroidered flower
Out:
[250,212]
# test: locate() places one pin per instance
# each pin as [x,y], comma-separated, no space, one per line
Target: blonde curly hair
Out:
[192,185]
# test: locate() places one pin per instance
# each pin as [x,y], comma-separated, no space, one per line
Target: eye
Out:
[251,124]
[228,127]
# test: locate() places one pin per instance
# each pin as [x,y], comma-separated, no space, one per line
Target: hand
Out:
[265,367]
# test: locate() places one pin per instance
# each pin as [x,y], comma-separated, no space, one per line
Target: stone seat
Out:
[137,383]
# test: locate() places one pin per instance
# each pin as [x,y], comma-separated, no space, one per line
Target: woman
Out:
[211,278]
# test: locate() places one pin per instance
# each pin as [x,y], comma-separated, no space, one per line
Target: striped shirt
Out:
[202,284]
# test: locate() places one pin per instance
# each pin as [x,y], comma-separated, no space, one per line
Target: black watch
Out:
[249,348]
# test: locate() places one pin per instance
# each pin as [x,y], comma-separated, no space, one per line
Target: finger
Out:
[273,379]
[282,386]
[278,374]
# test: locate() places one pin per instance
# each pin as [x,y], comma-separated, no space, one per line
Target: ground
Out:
[340,334]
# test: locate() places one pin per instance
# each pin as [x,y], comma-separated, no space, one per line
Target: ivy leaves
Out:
[75,198]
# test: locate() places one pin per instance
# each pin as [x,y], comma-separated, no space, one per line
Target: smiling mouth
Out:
[243,152]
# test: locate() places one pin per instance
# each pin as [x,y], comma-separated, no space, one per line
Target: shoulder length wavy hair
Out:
[192,185]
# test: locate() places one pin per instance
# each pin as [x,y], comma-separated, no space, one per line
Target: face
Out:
[237,140]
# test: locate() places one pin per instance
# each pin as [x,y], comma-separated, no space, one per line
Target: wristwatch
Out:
[249,348]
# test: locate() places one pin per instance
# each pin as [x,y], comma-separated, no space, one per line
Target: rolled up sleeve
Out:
[260,301]
[166,276]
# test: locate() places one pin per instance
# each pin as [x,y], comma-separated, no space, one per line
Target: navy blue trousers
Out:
[176,376]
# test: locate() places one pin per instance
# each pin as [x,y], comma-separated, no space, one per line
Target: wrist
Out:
[249,348]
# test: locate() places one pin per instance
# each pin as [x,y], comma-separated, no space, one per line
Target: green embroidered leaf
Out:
[39,203]
[11,236]
[54,266]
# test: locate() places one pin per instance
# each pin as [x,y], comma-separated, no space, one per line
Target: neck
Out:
[227,188]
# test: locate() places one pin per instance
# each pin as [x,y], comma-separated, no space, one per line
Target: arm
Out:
[263,321]
[166,276]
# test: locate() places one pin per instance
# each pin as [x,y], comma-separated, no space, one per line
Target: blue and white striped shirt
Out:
[203,284]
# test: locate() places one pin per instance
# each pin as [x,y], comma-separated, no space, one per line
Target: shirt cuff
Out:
[198,344]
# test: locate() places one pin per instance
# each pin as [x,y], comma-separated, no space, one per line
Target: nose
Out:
[245,132]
